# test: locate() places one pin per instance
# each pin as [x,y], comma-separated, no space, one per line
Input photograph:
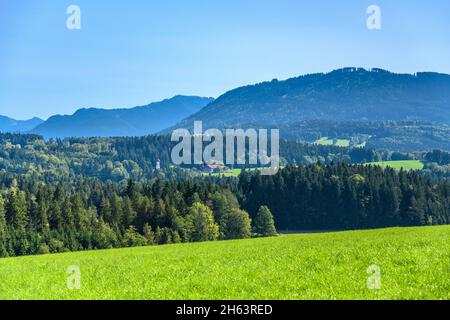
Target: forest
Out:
[87,213]
[401,136]
[119,159]
[98,193]
[347,197]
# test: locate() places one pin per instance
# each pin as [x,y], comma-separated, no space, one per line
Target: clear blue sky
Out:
[134,52]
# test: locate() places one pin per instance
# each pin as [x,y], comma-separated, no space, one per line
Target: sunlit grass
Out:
[405,164]
[325,141]
[414,264]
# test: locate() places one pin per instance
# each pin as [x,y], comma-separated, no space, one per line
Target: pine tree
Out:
[105,210]
[3,245]
[16,209]
[129,214]
[42,223]
[117,212]
[264,224]
[149,235]
[176,237]
[166,235]
[158,235]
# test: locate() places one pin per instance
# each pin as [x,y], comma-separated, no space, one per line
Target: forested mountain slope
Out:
[341,95]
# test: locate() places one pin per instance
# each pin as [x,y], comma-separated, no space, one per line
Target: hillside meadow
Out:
[398,165]
[413,263]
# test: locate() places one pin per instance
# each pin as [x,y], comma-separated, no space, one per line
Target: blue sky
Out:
[133,52]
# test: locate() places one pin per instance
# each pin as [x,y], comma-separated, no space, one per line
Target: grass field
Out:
[343,143]
[232,173]
[406,164]
[414,264]
[325,141]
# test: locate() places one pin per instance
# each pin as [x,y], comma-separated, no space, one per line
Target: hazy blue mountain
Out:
[12,125]
[342,95]
[136,121]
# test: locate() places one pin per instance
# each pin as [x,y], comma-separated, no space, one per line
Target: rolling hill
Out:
[349,94]
[136,121]
[413,264]
[18,126]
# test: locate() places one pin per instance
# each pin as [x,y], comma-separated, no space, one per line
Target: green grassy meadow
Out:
[414,264]
[325,141]
[232,173]
[343,143]
[405,165]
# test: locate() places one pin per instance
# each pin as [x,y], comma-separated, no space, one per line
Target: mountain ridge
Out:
[137,121]
[347,94]
[8,124]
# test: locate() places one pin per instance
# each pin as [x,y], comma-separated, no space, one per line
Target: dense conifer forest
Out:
[87,213]
[98,193]
[341,196]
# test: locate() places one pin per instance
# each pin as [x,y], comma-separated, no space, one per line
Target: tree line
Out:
[87,214]
[123,158]
[340,196]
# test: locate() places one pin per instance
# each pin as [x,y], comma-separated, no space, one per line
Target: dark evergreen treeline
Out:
[85,213]
[88,214]
[438,156]
[437,164]
[342,196]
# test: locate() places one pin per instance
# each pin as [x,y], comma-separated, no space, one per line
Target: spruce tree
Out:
[263,224]
[3,246]
[149,235]
[16,209]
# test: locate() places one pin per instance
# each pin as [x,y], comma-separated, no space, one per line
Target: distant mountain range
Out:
[18,126]
[137,121]
[350,94]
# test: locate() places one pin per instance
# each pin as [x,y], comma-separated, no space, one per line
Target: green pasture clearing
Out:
[405,164]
